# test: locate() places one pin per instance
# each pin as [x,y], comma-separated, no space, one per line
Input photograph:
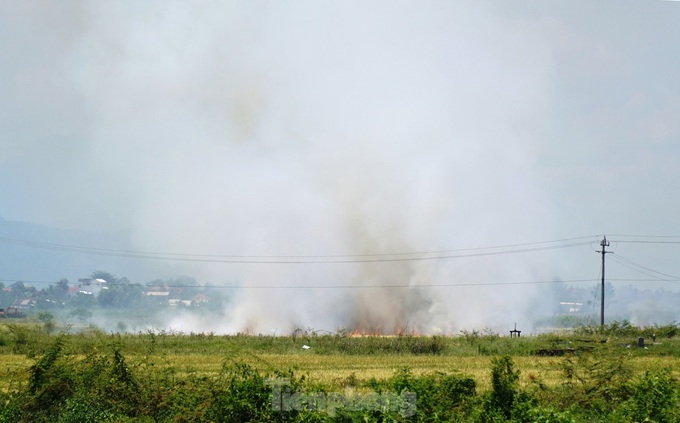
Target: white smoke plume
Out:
[308,128]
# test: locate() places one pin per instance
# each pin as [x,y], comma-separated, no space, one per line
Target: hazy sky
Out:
[339,128]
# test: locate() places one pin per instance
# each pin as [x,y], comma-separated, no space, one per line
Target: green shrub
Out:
[84,408]
[439,396]
[595,380]
[654,398]
[241,394]
[624,328]
[92,376]
[50,383]
[542,414]
[504,379]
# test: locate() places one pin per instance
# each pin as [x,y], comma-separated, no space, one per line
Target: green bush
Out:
[595,381]
[374,345]
[501,400]
[541,414]
[92,376]
[654,398]
[241,394]
[438,394]
[624,328]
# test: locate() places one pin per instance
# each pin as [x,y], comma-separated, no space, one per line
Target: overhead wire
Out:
[311,259]
[274,286]
[645,239]
[365,258]
[641,280]
[631,241]
[644,269]
[645,236]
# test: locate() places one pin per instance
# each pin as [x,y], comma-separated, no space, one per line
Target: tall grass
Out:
[163,376]
[32,340]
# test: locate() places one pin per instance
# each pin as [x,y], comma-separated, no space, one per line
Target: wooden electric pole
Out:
[603,244]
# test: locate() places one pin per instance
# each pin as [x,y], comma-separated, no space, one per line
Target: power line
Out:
[646,239]
[310,259]
[646,236]
[641,280]
[646,242]
[515,248]
[645,270]
[447,285]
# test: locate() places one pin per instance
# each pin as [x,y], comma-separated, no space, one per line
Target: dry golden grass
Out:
[12,368]
[336,370]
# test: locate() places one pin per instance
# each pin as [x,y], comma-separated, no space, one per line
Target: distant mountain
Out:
[38,254]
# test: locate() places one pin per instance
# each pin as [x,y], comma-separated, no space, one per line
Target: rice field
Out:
[329,360]
[589,375]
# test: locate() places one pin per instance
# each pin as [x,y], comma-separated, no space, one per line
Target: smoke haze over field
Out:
[348,129]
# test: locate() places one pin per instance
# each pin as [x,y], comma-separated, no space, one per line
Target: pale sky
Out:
[338,128]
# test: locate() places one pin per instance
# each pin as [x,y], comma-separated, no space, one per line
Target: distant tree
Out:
[124,294]
[6,297]
[609,292]
[108,277]
[16,292]
[83,301]
[60,291]
[62,285]
[82,314]
[184,287]
[45,317]
[107,298]
[47,320]
[183,282]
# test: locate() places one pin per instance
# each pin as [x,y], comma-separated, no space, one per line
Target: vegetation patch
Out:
[171,377]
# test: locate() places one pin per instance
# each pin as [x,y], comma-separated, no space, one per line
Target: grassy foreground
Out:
[589,375]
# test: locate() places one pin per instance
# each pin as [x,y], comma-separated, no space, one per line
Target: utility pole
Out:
[604,243]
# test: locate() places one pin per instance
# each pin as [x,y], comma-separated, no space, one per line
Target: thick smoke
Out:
[334,130]
[316,129]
